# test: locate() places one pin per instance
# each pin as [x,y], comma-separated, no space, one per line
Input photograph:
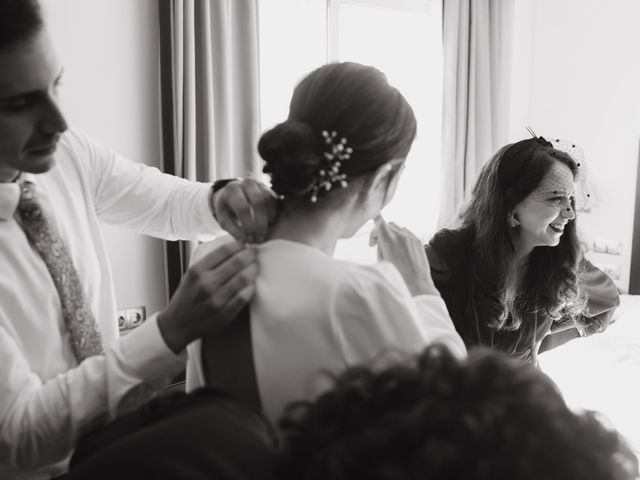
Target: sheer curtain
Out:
[477,40]
[209,88]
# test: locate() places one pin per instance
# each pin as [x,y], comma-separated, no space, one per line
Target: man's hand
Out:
[406,252]
[245,209]
[210,295]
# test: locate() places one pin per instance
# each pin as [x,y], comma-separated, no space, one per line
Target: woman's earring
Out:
[513,221]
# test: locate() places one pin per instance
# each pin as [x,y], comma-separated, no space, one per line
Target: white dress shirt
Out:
[312,312]
[47,400]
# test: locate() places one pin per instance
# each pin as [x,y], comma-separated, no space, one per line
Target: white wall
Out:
[110,90]
[577,76]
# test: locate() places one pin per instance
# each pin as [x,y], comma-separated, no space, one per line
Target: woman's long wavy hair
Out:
[551,284]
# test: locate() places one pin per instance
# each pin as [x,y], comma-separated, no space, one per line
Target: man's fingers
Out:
[241,210]
[259,199]
[238,301]
[219,255]
[231,225]
[232,210]
[214,278]
[236,283]
[226,216]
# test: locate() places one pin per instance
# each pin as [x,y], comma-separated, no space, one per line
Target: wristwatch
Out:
[217,186]
[220,184]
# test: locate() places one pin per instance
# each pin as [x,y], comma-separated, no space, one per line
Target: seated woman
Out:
[513,275]
[335,162]
[485,417]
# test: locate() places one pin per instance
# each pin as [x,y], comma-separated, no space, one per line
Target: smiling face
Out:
[544,213]
[30,119]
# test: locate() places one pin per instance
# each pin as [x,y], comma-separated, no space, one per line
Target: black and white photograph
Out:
[320,239]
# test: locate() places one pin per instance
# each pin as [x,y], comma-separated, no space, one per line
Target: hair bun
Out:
[292,155]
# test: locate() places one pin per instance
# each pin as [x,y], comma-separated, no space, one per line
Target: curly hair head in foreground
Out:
[486,417]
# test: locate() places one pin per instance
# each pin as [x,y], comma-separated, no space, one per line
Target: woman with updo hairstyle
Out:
[513,274]
[335,162]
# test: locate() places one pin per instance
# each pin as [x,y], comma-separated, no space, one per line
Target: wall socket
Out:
[129,318]
[603,245]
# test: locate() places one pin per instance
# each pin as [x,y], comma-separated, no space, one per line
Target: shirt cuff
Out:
[203,206]
[148,356]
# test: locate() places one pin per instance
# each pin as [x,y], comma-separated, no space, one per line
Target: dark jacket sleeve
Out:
[440,271]
[602,300]
[448,253]
[444,252]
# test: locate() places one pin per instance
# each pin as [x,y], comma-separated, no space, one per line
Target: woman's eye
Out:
[16,104]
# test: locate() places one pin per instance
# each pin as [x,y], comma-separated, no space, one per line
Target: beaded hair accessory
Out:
[580,194]
[335,153]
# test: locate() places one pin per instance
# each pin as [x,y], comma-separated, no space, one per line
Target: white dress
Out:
[313,313]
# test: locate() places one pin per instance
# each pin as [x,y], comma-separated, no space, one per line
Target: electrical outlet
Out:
[129,318]
[614,247]
[123,322]
[600,245]
[136,316]
[605,245]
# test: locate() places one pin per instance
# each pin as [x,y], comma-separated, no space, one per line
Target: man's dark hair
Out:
[487,417]
[19,21]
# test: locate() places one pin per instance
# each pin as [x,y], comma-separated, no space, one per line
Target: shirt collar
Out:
[10,196]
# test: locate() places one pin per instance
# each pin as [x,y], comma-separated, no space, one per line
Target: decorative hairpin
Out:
[329,173]
[541,140]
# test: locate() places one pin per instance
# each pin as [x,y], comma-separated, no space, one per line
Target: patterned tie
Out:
[86,339]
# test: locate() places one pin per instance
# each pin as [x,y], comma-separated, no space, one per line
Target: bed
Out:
[602,372]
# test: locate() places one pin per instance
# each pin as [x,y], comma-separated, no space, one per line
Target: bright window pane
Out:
[407,46]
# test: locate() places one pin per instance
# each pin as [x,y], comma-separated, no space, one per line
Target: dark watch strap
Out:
[220,184]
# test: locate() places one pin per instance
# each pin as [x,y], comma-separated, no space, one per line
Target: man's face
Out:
[30,119]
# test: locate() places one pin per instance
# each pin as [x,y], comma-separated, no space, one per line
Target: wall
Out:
[576,75]
[110,90]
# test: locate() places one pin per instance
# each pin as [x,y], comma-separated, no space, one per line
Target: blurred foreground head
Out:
[486,417]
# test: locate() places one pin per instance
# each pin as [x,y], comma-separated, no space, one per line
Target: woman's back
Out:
[312,314]
[335,163]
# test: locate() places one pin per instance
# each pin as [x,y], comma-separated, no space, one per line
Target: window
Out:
[403,38]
